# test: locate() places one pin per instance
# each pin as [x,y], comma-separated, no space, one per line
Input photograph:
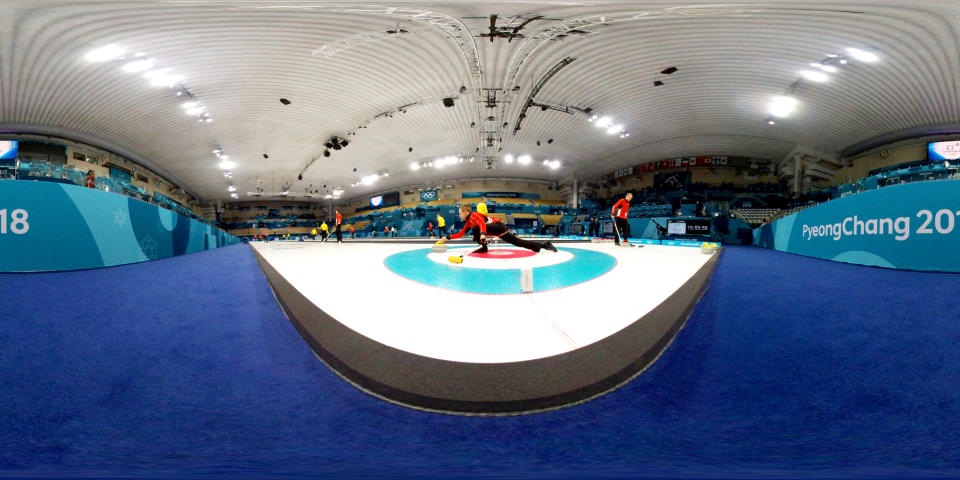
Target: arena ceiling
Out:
[376,75]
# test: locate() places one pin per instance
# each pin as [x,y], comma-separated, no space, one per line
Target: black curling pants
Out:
[623,226]
[498,229]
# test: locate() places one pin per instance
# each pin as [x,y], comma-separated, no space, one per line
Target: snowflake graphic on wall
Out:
[119,217]
[149,248]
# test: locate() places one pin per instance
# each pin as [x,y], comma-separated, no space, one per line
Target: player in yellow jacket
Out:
[441,226]
[482,206]
[324,230]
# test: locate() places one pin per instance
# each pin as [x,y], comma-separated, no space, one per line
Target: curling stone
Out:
[709,248]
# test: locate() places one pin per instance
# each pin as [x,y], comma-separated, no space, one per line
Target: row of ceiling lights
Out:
[527,160]
[157,76]
[370,179]
[227,166]
[783,105]
[609,125]
[452,160]
[440,162]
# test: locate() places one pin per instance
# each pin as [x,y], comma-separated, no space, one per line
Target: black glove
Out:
[446,238]
[483,238]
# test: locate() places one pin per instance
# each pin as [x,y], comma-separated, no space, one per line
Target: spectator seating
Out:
[510,201]
[360,226]
[755,216]
[551,219]
[549,203]
[500,216]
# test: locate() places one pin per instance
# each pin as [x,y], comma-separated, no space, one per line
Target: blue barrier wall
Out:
[909,226]
[52,226]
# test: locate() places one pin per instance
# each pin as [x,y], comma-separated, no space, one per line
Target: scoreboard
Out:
[689,227]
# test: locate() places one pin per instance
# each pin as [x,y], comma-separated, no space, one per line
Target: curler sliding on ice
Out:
[481,226]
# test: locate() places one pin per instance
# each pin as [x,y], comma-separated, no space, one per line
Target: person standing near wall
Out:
[352,232]
[91,180]
[338,226]
[619,213]
[430,229]
[393,231]
[441,226]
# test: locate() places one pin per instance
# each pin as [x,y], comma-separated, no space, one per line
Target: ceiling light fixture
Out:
[104,53]
[137,66]
[815,76]
[862,55]
[162,77]
[782,105]
[825,68]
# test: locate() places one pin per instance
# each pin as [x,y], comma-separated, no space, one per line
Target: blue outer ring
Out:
[414,265]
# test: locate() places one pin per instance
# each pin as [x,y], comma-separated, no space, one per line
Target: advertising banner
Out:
[48,226]
[908,226]
[943,150]
[532,196]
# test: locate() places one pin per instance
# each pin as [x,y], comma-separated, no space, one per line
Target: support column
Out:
[797,171]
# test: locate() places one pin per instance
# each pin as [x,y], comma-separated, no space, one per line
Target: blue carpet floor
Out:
[789,366]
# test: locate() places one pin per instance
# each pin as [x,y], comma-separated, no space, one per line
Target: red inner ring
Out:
[504,253]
